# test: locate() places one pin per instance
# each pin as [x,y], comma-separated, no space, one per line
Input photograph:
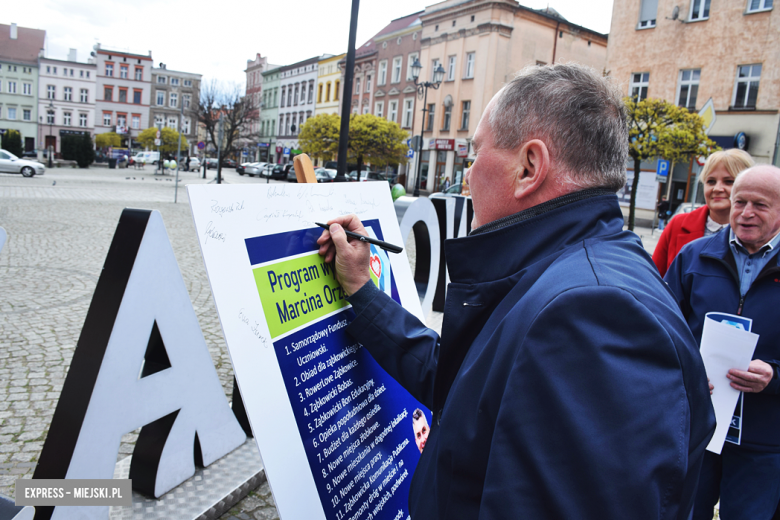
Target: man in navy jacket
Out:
[737,271]
[565,383]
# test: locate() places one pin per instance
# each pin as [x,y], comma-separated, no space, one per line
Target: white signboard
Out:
[647,191]
[334,430]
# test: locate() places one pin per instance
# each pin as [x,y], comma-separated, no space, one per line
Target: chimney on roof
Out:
[72,55]
[13,31]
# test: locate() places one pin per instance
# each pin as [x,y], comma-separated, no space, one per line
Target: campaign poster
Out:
[336,433]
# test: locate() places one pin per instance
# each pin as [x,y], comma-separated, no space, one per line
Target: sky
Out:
[216,38]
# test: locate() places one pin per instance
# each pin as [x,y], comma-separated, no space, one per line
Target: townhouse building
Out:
[269,115]
[297,103]
[395,94]
[175,96]
[123,92]
[328,85]
[66,99]
[20,48]
[694,51]
[481,45]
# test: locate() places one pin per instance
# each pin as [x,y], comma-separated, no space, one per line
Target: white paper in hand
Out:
[723,347]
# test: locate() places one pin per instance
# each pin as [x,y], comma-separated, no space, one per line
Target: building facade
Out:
[66,99]
[123,92]
[20,49]
[175,96]
[297,103]
[690,52]
[481,46]
[328,85]
[269,115]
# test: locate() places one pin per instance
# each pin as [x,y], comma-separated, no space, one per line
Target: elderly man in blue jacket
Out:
[566,384]
[738,271]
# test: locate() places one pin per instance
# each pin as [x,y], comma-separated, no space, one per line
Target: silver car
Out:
[9,163]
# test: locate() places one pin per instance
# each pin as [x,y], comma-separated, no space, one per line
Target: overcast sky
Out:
[217,38]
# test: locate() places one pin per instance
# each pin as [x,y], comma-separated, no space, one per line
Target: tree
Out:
[319,136]
[238,112]
[657,128]
[108,139]
[85,153]
[169,137]
[12,142]
[375,140]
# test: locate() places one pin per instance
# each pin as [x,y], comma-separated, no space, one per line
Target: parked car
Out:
[453,190]
[229,163]
[146,157]
[9,163]
[367,176]
[194,164]
[250,169]
[32,154]
[685,207]
[325,174]
[277,172]
[291,177]
[211,163]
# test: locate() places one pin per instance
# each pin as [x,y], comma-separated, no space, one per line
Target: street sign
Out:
[158,134]
[201,144]
[410,153]
[408,143]
[286,151]
[662,169]
[157,142]
[661,179]
[708,114]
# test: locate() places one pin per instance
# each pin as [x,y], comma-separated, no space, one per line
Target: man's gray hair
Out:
[576,112]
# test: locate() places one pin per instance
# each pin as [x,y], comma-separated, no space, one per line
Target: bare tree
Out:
[226,100]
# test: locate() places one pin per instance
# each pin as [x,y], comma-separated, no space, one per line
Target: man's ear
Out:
[534,159]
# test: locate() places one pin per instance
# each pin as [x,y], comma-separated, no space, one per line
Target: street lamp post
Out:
[422,93]
[50,117]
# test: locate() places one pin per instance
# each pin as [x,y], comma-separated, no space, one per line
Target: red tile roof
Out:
[25,48]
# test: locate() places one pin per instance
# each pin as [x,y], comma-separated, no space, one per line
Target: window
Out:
[700,10]
[11,113]
[447,119]
[27,114]
[83,120]
[640,81]
[382,78]
[87,74]
[431,110]
[759,5]
[392,112]
[647,13]
[137,97]
[319,93]
[186,98]
[187,82]
[746,89]
[68,94]
[121,120]
[139,73]
[50,117]
[160,98]
[123,95]
[357,85]
[368,83]
[81,73]
[12,87]
[158,122]
[434,66]
[64,72]
[54,69]
[66,118]
[289,96]
[451,68]
[470,57]
[27,89]
[327,92]
[464,115]
[136,122]
[408,112]
[311,92]
[109,70]
[173,123]
[283,91]
[185,125]
[48,69]
[84,95]
[106,118]
[175,82]
[409,62]
[397,61]
[108,94]
[123,71]
[688,88]
[379,109]
[162,80]
[173,100]
[336,91]
[366,109]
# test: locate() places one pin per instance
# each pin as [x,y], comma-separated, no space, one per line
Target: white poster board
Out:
[334,430]
[646,193]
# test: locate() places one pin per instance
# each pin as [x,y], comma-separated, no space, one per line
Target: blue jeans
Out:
[746,481]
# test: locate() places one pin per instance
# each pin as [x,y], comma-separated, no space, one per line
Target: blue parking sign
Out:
[663,168]
[410,153]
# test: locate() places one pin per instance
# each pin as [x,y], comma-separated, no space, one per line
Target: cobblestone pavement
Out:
[60,226]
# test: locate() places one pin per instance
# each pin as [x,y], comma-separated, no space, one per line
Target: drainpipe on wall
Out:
[555,43]
[777,145]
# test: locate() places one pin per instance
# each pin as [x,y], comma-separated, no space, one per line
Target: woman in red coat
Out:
[718,176]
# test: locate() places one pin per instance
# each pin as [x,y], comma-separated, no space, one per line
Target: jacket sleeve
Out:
[397,340]
[661,252]
[677,283]
[598,417]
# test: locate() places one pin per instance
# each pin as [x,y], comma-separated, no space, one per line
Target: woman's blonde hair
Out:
[734,160]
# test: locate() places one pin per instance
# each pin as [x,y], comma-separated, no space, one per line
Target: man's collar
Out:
[544,207]
[769,246]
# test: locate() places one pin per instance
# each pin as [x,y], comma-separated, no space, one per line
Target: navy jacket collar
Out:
[496,254]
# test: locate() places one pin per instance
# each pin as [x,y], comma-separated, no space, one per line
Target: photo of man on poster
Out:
[420,425]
